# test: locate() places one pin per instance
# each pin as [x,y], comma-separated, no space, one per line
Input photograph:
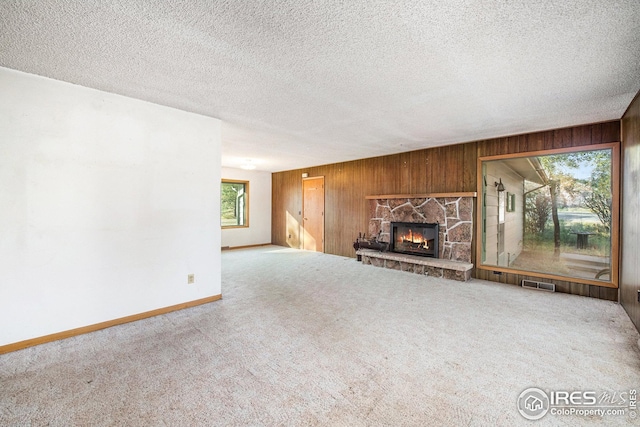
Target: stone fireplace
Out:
[454,216]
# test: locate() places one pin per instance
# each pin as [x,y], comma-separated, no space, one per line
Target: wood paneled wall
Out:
[441,169]
[434,170]
[630,207]
[598,133]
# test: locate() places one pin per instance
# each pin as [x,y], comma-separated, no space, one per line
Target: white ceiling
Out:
[307,82]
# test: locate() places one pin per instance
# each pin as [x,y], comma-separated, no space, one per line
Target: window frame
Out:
[615,223]
[246,198]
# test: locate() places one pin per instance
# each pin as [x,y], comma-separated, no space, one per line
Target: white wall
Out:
[514,225]
[107,204]
[259,230]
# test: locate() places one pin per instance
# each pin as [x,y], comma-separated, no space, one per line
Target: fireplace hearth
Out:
[414,238]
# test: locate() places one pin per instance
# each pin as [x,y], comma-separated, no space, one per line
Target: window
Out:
[563,222]
[234,204]
[511,202]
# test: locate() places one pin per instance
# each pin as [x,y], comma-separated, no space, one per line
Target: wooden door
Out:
[313,214]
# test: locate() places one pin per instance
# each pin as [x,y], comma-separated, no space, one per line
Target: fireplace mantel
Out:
[423,195]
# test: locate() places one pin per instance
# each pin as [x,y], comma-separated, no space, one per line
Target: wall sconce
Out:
[500,185]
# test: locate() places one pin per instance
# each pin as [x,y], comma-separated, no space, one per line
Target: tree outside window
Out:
[234,204]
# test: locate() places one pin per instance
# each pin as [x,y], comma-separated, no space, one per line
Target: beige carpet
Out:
[302,338]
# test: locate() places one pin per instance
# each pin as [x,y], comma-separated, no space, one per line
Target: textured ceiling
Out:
[302,82]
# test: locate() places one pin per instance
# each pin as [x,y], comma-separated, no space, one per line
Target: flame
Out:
[409,237]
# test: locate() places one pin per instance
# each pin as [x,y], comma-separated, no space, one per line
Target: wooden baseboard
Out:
[230,248]
[103,325]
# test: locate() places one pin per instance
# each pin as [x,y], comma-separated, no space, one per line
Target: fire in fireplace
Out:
[414,238]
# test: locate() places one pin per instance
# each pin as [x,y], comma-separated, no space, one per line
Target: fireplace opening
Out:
[414,238]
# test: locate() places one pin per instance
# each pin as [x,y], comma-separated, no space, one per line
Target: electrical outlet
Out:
[191,278]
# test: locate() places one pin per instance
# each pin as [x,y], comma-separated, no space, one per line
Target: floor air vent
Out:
[541,286]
